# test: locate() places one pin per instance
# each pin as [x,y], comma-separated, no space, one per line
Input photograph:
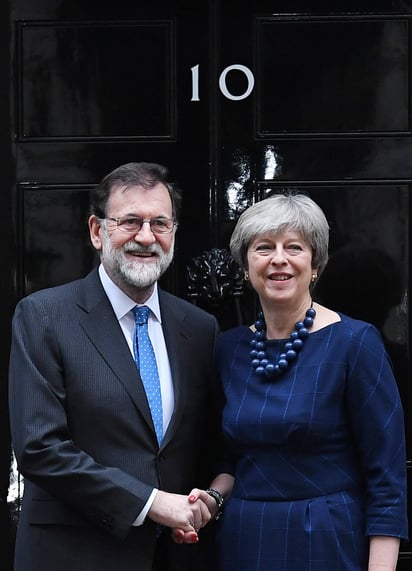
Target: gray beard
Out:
[135,274]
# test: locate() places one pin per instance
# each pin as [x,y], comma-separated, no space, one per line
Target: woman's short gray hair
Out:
[276,214]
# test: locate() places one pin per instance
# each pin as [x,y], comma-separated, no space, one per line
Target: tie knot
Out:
[141,314]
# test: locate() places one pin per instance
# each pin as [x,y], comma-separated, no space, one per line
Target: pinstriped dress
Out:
[318,453]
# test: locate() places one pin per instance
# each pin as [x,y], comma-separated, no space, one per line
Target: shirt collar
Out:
[121,302]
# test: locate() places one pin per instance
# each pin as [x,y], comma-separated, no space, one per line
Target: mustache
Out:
[138,249]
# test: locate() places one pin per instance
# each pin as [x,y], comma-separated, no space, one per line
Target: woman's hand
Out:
[224,484]
[201,497]
[181,512]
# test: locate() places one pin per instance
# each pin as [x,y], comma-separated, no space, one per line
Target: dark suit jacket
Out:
[82,430]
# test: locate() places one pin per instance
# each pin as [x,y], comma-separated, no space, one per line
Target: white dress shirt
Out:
[122,307]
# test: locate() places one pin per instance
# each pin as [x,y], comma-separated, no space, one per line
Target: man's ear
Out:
[95,230]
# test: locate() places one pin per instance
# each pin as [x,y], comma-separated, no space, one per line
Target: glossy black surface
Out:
[99,73]
[342,75]
[94,85]
[54,242]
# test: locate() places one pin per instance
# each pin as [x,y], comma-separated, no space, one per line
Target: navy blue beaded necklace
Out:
[293,346]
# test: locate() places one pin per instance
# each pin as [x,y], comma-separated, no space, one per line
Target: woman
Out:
[315,474]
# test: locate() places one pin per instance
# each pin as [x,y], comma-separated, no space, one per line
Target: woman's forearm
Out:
[223,483]
[383,553]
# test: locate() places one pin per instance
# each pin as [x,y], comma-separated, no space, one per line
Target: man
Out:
[101,489]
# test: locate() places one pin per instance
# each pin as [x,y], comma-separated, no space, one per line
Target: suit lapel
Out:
[176,333]
[102,327]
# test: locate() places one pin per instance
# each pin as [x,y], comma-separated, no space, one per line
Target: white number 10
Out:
[222,82]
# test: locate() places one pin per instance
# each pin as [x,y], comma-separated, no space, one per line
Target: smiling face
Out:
[134,261]
[280,267]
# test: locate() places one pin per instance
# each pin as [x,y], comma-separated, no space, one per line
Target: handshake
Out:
[186,515]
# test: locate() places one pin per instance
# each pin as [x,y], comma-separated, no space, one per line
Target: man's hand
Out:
[179,534]
[181,512]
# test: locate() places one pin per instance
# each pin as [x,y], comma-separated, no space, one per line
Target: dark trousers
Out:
[160,561]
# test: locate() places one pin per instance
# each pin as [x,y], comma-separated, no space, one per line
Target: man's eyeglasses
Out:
[133,224]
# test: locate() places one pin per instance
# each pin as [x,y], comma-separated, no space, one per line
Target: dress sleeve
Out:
[377,420]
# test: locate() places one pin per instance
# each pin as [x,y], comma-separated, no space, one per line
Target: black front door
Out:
[238,102]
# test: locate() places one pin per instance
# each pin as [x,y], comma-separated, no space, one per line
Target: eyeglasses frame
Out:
[143,220]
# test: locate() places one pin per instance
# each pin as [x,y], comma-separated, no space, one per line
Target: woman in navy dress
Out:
[314,473]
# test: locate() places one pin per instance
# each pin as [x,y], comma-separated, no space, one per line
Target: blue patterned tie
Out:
[146,363]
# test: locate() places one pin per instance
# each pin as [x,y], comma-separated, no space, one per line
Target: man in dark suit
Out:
[100,491]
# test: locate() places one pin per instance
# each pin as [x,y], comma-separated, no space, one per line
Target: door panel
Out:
[99,73]
[332,90]
[54,242]
[330,114]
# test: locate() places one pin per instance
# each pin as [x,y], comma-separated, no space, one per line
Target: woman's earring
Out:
[246,276]
[314,278]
